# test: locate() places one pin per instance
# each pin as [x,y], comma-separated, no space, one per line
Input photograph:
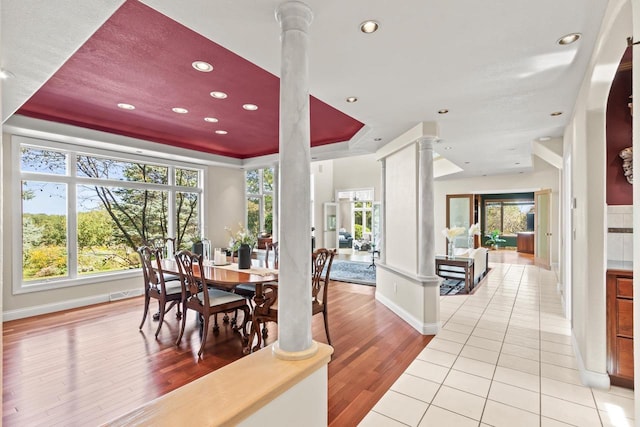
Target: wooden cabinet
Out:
[524,242]
[620,327]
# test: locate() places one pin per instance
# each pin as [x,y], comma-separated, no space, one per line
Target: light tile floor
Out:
[503,358]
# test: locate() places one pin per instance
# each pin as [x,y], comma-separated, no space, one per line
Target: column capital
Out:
[426,142]
[294,15]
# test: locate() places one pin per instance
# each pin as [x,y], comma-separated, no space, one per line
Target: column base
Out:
[294,355]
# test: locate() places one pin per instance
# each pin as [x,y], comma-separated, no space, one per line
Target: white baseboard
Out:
[589,378]
[130,293]
[423,328]
[53,307]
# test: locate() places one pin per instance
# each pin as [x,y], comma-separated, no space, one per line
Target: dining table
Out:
[227,277]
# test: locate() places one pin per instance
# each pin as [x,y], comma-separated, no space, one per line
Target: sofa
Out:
[480,258]
[345,239]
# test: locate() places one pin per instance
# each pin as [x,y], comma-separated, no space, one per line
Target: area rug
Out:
[353,272]
[451,287]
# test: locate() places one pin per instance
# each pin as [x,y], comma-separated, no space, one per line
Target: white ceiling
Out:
[494,65]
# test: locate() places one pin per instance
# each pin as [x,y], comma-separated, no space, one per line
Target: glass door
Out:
[542,246]
[459,213]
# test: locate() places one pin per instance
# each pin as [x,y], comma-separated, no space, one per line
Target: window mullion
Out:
[72,217]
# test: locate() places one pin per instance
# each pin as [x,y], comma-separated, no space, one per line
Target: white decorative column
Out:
[426,231]
[383,208]
[426,208]
[294,295]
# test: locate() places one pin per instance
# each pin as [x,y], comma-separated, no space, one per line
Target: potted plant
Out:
[494,239]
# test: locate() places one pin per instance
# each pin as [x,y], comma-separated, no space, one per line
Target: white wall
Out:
[323,192]
[585,142]
[357,172]
[225,203]
[401,242]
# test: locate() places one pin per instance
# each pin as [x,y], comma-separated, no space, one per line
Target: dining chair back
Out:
[271,247]
[266,304]
[155,286]
[321,269]
[204,300]
[167,245]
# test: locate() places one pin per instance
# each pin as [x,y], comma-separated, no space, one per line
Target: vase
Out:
[471,243]
[244,257]
[452,248]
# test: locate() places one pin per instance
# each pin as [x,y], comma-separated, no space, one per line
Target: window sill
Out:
[28,287]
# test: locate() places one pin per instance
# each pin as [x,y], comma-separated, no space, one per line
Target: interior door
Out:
[459,211]
[542,247]
[330,232]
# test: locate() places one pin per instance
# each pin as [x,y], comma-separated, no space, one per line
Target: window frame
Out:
[260,195]
[502,203]
[72,181]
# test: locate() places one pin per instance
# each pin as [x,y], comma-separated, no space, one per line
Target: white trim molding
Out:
[423,328]
[589,378]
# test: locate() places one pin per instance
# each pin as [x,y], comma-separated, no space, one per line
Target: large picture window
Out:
[259,187]
[508,216]
[83,212]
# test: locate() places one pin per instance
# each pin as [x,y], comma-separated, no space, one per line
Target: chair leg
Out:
[326,326]
[161,304]
[184,323]
[245,320]
[146,310]
[205,331]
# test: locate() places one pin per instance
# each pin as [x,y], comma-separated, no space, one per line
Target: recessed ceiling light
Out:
[205,67]
[5,74]
[443,111]
[211,119]
[448,148]
[179,110]
[556,113]
[369,27]
[126,106]
[352,99]
[250,107]
[544,138]
[218,95]
[221,132]
[569,38]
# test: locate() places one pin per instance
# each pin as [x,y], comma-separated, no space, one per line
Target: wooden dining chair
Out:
[248,290]
[266,304]
[204,300]
[322,261]
[156,287]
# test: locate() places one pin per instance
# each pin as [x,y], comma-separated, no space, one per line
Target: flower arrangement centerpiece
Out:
[451,234]
[243,242]
[474,230]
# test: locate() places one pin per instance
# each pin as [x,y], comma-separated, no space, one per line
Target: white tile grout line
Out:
[539,287]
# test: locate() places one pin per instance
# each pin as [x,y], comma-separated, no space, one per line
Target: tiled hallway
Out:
[503,358]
